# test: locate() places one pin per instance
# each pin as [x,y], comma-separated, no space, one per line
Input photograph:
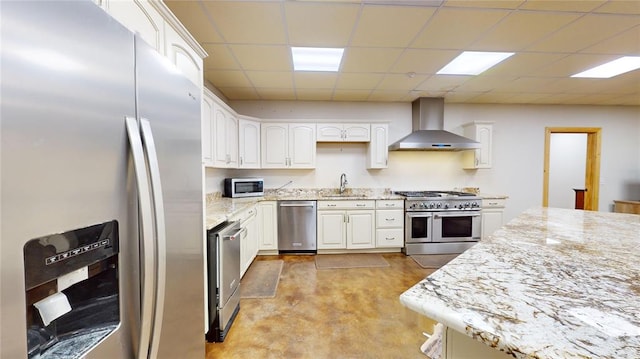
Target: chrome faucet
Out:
[343,182]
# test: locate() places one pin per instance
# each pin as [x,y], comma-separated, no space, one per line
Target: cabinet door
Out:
[360,229]
[219,137]
[378,150]
[138,16]
[182,55]
[248,143]
[331,230]
[357,132]
[207,130]
[231,130]
[483,133]
[329,132]
[302,145]
[267,226]
[274,145]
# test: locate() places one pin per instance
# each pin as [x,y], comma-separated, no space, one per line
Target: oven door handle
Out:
[419,215]
[457,215]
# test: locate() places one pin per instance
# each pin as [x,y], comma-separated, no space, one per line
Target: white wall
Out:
[518,149]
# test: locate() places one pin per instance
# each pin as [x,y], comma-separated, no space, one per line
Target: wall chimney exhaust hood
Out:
[428,130]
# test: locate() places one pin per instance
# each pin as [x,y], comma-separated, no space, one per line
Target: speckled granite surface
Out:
[553,283]
[220,209]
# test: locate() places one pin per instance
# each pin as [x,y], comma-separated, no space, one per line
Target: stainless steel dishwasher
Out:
[297,227]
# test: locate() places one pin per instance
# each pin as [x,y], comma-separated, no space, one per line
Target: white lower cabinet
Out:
[268,226]
[389,223]
[346,224]
[492,215]
[248,237]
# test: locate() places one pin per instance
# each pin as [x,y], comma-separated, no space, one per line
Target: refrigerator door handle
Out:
[146,232]
[161,257]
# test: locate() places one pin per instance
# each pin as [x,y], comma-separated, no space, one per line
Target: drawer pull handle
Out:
[389,219]
[360,205]
[390,239]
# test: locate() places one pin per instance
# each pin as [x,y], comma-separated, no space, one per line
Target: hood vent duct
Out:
[428,130]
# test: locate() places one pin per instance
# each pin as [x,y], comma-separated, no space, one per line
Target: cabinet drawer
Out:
[390,204]
[389,237]
[494,203]
[389,219]
[363,204]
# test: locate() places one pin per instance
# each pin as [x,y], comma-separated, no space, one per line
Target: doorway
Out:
[592,163]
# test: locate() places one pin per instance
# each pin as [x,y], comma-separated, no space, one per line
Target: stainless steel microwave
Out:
[243,187]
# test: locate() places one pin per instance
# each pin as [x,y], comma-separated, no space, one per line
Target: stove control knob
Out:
[439,205]
[422,205]
[446,206]
[466,205]
[474,204]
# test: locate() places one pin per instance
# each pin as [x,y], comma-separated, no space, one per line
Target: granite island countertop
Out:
[552,283]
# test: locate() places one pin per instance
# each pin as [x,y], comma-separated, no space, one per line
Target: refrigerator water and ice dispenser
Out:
[72,290]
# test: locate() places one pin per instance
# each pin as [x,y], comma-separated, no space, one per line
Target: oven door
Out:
[418,227]
[456,227]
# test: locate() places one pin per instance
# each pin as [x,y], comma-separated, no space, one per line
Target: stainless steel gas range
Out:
[439,222]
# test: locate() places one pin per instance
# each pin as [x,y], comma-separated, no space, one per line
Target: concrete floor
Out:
[332,313]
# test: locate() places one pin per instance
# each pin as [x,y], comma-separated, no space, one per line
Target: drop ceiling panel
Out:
[221,78]
[521,29]
[375,60]
[522,64]
[282,79]
[484,83]
[275,94]
[455,28]
[587,31]
[389,96]
[491,4]
[581,5]
[423,61]
[390,26]
[199,25]
[220,58]
[248,22]
[620,7]
[311,94]
[319,80]
[351,95]
[529,84]
[354,81]
[572,65]
[625,43]
[460,96]
[307,23]
[263,57]
[239,93]
[442,82]
[400,82]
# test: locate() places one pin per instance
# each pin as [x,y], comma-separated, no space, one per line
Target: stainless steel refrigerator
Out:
[101,224]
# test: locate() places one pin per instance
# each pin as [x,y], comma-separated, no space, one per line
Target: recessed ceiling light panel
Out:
[473,62]
[612,68]
[316,58]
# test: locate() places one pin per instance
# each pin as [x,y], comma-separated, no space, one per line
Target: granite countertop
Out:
[552,283]
[220,209]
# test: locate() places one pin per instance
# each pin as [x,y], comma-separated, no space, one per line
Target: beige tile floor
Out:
[334,313]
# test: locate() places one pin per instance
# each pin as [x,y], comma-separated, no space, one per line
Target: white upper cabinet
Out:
[378,150]
[183,56]
[483,133]
[343,132]
[248,143]
[288,145]
[157,26]
[207,129]
[225,137]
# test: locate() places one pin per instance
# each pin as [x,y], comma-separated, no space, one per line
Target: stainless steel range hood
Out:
[428,130]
